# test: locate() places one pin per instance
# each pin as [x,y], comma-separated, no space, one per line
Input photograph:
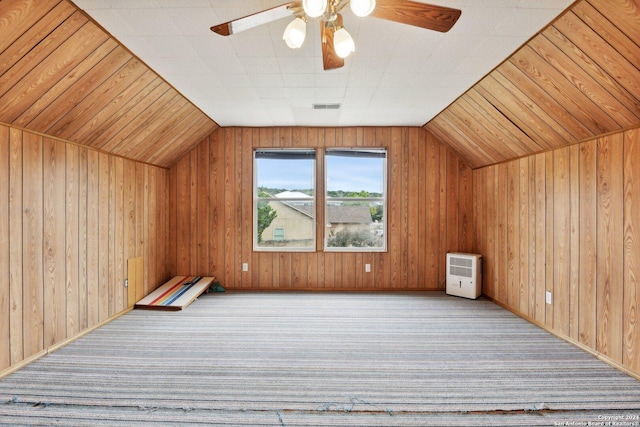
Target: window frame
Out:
[257,200]
[319,182]
[383,199]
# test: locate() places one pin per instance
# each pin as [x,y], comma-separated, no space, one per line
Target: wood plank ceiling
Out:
[62,75]
[577,79]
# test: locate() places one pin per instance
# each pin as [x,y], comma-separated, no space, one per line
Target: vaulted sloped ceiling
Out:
[578,78]
[62,75]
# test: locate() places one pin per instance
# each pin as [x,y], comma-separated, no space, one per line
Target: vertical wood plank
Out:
[561,240]
[631,331]
[466,223]
[588,244]
[55,304]
[192,246]
[103,234]
[119,292]
[129,226]
[183,201]
[142,194]
[549,241]
[82,237]
[5,284]
[574,265]
[203,204]
[523,248]
[153,240]
[433,201]
[610,247]
[16,297]
[32,244]
[246,197]
[489,207]
[172,220]
[410,176]
[72,250]
[93,232]
[217,211]
[501,232]
[113,187]
[513,234]
[533,222]
[145,252]
[541,241]
[229,207]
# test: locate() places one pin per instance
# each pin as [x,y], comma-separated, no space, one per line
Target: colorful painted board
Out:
[176,294]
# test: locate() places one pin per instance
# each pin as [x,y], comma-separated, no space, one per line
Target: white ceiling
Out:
[399,75]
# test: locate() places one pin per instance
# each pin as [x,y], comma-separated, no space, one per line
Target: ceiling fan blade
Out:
[330,59]
[256,19]
[431,17]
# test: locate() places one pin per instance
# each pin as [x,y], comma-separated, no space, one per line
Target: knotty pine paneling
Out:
[579,220]
[430,211]
[63,246]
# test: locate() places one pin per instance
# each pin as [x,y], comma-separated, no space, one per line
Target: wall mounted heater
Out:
[464,275]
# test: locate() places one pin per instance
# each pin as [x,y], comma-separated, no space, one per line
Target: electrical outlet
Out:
[367,268]
[245,266]
[548,297]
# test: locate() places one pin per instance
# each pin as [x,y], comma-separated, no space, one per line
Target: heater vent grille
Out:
[326,106]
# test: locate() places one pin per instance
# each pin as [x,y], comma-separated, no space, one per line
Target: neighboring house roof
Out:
[292,195]
[336,214]
[349,214]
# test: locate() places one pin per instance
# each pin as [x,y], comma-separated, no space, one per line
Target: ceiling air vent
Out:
[326,106]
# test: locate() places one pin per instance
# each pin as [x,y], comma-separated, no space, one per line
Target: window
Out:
[284,199]
[278,233]
[355,199]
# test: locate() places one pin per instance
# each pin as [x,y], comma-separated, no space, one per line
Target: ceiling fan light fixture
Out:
[295,33]
[343,43]
[314,8]
[362,8]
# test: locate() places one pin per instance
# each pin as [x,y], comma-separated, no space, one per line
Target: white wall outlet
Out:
[367,268]
[549,298]
[245,266]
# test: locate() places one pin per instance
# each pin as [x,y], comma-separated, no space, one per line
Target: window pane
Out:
[285,203]
[356,174]
[355,200]
[280,170]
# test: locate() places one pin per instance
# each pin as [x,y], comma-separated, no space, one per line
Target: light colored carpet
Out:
[294,359]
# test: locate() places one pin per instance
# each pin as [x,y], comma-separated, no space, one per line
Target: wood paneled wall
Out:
[429,213]
[568,221]
[70,217]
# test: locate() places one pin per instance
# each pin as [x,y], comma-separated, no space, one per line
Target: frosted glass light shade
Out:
[295,33]
[343,43]
[314,8]
[362,8]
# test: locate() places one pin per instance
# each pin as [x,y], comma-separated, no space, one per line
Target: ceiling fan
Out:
[337,43]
